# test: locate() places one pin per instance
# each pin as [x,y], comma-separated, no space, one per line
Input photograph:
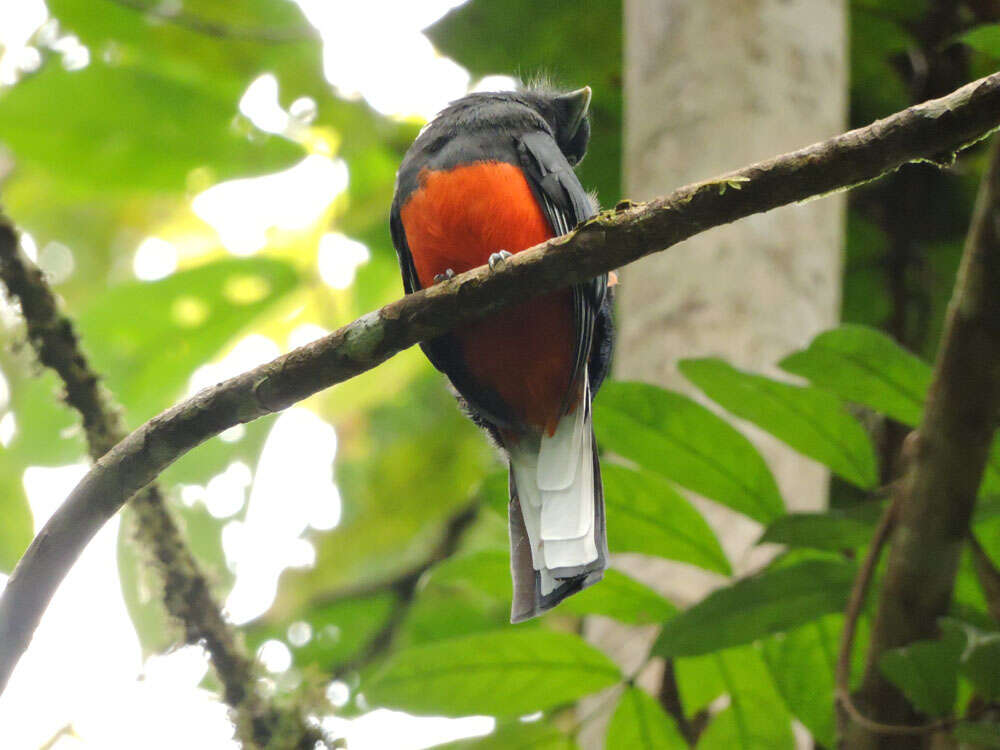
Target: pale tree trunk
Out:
[710,85]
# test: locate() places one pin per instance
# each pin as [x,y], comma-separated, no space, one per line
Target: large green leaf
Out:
[802,662]
[810,420]
[536,735]
[676,437]
[756,719]
[336,630]
[575,42]
[646,514]
[927,671]
[984,38]
[503,673]
[16,523]
[617,596]
[118,129]
[866,367]
[775,600]
[833,530]
[640,723]
[442,614]
[176,324]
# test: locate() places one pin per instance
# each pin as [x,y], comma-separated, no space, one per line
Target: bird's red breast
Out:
[456,219]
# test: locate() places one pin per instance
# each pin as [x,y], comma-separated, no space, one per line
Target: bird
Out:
[491,175]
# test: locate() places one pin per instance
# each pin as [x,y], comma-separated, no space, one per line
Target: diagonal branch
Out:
[934,130]
[946,459]
[192,22]
[187,592]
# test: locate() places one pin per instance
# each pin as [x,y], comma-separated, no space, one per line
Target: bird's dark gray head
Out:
[568,116]
[564,115]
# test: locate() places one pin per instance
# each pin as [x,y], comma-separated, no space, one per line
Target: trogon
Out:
[492,175]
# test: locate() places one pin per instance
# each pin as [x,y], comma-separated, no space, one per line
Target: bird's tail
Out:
[558,540]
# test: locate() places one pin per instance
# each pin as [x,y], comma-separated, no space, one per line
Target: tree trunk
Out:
[710,85]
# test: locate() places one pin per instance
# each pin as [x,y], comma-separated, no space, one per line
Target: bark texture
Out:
[946,458]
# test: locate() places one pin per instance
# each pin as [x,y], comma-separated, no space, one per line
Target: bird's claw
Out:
[448,275]
[497,259]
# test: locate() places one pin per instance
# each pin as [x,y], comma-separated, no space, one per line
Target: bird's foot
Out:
[448,275]
[497,259]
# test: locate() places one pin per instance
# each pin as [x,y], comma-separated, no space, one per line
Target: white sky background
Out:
[84,670]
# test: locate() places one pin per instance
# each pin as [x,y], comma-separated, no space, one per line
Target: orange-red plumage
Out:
[456,219]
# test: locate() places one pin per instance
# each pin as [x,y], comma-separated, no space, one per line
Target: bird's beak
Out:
[574,106]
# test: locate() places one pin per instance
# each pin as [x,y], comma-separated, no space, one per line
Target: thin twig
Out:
[203,26]
[405,589]
[855,604]
[934,130]
[187,592]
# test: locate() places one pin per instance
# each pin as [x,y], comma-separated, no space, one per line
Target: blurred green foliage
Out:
[107,155]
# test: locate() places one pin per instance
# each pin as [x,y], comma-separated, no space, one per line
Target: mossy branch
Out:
[934,131]
[187,592]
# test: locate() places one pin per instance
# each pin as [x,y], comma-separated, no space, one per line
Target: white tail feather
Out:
[555,481]
[559,455]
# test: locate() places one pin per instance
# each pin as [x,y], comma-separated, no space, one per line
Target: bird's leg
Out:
[448,275]
[497,259]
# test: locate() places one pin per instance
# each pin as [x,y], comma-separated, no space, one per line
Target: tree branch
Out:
[405,589]
[934,130]
[947,457]
[205,27]
[186,591]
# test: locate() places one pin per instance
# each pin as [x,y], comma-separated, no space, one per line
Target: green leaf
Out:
[979,734]
[17,526]
[646,514]
[810,420]
[802,663]
[622,598]
[980,661]
[176,324]
[866,367]
[984,38]
[503,673]
[676,437]
[639,723]
[212,61]
[617,596]
[337,630]
[769,602]
[536,735]
[756,719]
[833,530]
[927,671]
[119,129]
[442,614]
